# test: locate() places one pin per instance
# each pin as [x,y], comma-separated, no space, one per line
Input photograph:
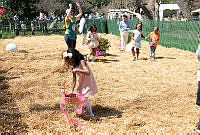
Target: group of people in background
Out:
[74,58]
[22,26]
[137,34]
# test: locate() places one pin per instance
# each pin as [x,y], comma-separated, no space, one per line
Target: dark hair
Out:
[92,27]
[157,28]
[139,24]
[125,16]
[76,57]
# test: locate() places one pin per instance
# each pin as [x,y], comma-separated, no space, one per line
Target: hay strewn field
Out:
[144,96]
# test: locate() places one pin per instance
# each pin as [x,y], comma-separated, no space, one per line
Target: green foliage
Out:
[129,38]
[23,8]
[99,3]
[166,1]
[104,44]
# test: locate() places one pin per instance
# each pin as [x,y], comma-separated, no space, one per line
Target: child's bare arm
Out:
[70,8]
[146,37]
[80,11]
[74,82]
[133,35]
[199,59]
[143,36]
[88,36]
[85,69]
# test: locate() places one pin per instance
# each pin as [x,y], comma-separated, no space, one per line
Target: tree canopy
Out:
[31,8]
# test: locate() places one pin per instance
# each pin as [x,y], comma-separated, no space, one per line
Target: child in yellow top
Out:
[154,38]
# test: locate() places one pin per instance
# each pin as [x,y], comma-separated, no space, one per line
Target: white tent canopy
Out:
[126,11]
[167,6]
[198,10]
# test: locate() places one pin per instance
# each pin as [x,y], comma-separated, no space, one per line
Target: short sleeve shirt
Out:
[198,55]
[154,38]
[137,35]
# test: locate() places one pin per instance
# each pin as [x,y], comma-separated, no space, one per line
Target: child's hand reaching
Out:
[71,92]
[78,4]
[70,6]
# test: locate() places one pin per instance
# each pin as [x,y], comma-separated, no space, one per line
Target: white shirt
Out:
[198,55]
[137,35]
[81,24]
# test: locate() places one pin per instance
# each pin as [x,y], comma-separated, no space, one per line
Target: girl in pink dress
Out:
[82,75]
[93,42]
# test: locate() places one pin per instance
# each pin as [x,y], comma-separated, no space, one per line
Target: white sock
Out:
[93,58]
[89,107]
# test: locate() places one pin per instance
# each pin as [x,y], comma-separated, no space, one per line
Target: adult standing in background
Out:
[70,25]
[198,89]
[16,17]
[32,28]
[17,23]
[41,19]
[124,27]
[82,30]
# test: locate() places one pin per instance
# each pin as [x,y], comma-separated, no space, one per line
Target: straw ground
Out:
[142,96]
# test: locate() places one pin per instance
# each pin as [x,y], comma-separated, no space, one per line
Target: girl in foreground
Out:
[82,74]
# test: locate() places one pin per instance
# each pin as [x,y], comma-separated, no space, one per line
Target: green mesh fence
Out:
[102,26]
[178,34]
[8,28]
[182,35]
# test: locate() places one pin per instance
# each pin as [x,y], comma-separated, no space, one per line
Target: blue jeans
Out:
[70,43]
[198,94]
[198,99]
[153,49]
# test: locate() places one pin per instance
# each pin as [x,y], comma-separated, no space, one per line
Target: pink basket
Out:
[71,99]
[100,53]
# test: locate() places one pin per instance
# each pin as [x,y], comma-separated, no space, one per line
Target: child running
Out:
[85,79]
[154,38]
[137,34]
[93,42]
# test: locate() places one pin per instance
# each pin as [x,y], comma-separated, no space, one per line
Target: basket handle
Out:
[64,85]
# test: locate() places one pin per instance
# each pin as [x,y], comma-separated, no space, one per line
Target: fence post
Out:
[1,25]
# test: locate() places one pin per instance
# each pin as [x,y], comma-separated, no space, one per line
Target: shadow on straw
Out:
[5,71]
[165,58]
[2,78]
[10,116]
[38,107]
[106,60]
[158,58]
[101,111]
[114,55]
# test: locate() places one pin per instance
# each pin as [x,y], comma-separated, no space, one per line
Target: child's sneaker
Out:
[91,115]
[198,129]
